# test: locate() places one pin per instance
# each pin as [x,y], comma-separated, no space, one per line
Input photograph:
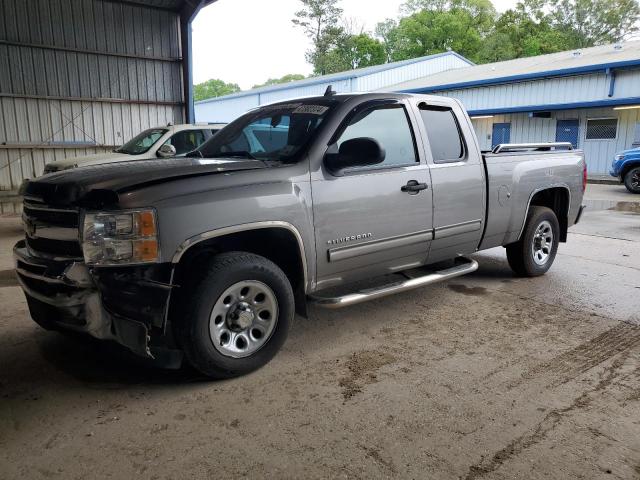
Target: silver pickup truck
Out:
[332,200]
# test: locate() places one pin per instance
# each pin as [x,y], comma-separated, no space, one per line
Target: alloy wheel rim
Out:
[635,180]
[542,243]
[243,318]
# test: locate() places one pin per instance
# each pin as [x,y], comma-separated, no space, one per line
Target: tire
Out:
[222,310]
[632,180]
[528,257]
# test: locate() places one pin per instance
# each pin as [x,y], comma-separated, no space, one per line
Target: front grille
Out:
[53,217]
[50,230]
[61,248]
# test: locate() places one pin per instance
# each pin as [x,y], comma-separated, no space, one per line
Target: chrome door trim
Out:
[219,232]
[374,246]
[457,228]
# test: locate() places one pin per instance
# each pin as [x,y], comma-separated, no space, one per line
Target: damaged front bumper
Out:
[124,304]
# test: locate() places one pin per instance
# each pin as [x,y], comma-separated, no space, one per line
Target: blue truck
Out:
[626,167]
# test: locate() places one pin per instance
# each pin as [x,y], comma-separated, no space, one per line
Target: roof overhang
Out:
[556,106]
[171,5]
[566,72]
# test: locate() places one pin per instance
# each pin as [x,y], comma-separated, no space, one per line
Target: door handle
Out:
[413,187]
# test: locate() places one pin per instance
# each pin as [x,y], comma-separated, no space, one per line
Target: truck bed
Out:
[515,173]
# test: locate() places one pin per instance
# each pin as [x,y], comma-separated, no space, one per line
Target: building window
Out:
[500,134]
[602,128]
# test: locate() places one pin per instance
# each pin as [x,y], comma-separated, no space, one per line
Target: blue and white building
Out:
[589,97]
[229,107]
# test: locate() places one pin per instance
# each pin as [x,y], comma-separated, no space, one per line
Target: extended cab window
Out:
[389,125]
[444,133]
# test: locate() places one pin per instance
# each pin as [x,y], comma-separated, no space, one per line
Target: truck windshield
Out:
[141,142]
[277,132]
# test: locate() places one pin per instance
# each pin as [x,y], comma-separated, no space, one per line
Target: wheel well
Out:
[628,167]
[277,244]
[557,199]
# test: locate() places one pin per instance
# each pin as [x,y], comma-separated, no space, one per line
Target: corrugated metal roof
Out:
[358,72]
[561,63]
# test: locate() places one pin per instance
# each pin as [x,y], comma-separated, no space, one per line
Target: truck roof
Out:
[344,97]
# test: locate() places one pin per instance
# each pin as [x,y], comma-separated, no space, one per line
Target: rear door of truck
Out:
[457,176]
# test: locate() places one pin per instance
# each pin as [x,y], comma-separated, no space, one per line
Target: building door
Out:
[567,131]
[501,134]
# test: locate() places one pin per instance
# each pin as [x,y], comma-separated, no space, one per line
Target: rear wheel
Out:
[236,316]
[632,180]
[536,250]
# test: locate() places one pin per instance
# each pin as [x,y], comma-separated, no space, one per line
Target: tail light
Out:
[584,176]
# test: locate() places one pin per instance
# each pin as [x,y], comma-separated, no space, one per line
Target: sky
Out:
[248,41]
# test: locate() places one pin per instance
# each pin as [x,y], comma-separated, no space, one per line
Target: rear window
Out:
[443,131]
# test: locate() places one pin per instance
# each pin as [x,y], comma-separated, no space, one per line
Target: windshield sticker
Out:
[284,106]
[311,109]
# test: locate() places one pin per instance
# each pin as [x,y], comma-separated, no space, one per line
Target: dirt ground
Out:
[484,377]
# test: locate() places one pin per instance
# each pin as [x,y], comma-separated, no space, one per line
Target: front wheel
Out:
[236,316]
[632,180]
[535,252]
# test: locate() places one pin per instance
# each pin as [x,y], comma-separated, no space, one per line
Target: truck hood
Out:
[93,160]
[99,185]
[631,151]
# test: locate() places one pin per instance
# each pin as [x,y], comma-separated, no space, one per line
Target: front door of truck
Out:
[375,219]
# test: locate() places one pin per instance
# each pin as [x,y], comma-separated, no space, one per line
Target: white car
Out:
[163,142]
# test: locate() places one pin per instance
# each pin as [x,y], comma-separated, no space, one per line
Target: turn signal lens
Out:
[146,250]
[146,224]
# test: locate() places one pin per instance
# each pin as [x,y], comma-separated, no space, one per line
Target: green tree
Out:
[538,27]
[319,19]
[290,77]
[213,88]
[387,32]
[523,32]
[595,22]
[357,51]
[434,26]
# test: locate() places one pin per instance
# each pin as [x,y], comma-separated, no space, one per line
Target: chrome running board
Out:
[464,266]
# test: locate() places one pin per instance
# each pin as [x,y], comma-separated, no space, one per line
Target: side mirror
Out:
[357,152]
[166,151]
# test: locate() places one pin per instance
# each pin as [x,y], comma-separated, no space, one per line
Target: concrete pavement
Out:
[487,376]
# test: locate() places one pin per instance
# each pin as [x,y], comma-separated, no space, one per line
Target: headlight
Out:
[117,238]
[619,157]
